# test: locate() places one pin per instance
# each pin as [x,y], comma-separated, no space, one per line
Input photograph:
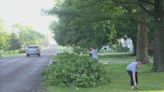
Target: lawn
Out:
[116,65]
[6,54]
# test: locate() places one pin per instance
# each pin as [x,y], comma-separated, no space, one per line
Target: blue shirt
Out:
[94,54]
[132,66]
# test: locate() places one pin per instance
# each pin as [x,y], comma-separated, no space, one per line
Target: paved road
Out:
[22,74]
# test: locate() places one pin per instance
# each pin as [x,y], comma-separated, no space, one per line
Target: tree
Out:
[92,27]
[140,17]
[3,37]
[28,35]
[159,32]
[142,52]
[14,42]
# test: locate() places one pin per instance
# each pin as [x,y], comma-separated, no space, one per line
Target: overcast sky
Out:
[26,12]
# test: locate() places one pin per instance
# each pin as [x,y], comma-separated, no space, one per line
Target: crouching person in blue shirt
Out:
[132,71]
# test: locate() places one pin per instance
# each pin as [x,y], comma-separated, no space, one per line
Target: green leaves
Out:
[14,42]
[73,70]
[3,37]
[28,35]
[81,23]
[3,40]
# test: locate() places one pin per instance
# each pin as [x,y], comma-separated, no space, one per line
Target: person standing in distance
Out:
[94,54]
[133,74]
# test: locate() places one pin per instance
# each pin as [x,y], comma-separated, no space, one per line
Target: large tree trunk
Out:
[142,53]
[158,65]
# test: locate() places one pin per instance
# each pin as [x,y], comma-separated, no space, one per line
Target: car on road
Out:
[32,50]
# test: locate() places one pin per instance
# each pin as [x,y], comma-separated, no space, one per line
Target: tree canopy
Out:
[28,35]
[3,36]
[83,25]
[14,42]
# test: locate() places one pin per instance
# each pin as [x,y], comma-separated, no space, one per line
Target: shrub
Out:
[79,50]
[22,51]
[73,70]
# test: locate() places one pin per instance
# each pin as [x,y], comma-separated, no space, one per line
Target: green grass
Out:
[116,65]
[6,54]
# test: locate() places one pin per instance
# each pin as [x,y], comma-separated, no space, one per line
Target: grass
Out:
[116,65]
[6,54]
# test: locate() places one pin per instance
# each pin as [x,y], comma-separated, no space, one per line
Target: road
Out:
[23,74]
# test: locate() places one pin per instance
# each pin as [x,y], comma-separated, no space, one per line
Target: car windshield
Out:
[32,46]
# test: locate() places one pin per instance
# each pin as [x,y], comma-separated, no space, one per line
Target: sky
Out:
[26,12]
